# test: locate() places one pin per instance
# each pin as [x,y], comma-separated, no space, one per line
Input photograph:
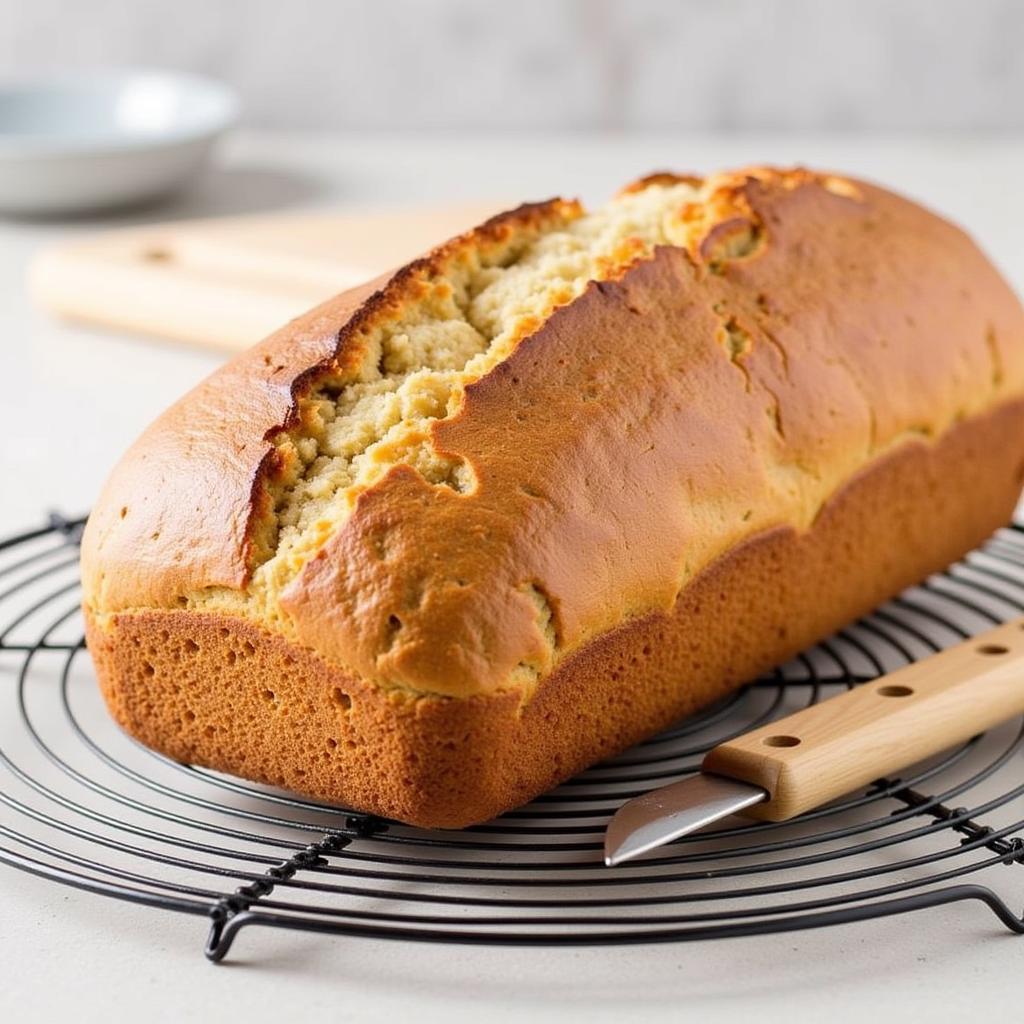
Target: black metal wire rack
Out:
[84,805]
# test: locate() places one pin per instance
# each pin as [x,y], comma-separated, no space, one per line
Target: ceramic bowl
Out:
[90,141]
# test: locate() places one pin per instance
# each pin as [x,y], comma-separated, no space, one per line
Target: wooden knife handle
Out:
[881,727]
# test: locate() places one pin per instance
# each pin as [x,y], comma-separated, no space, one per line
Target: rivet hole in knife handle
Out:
[843,744]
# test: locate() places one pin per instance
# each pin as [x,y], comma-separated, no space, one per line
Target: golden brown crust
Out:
[179,510]
[666,178]
[218,692]
[861,318]
[818,397]
[146,546]
[630,474]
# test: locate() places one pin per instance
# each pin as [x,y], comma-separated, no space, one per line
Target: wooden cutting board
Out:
[228,283]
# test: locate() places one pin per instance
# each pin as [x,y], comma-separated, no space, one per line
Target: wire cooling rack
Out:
[84,805]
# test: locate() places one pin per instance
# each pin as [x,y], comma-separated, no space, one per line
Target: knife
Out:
[838,746]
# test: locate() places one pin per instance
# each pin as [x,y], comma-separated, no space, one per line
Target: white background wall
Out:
[560,64]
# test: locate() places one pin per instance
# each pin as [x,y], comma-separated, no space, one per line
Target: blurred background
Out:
[559,65]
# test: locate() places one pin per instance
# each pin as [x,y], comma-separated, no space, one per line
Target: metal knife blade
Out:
[828,749]
[658,817]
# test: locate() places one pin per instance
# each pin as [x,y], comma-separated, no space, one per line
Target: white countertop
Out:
[71,399]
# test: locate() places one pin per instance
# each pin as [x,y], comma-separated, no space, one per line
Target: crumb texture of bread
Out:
[456,483]
[462,318]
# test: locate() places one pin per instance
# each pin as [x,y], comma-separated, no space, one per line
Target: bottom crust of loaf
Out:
[220,692]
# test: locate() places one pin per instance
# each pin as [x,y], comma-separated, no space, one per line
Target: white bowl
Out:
[94,140]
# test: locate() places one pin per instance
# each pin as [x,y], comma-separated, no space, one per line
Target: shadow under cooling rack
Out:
[84,805]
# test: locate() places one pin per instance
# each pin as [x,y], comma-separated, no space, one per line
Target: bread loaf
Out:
[453,536]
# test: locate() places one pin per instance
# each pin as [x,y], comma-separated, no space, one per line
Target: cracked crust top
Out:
[702,393]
